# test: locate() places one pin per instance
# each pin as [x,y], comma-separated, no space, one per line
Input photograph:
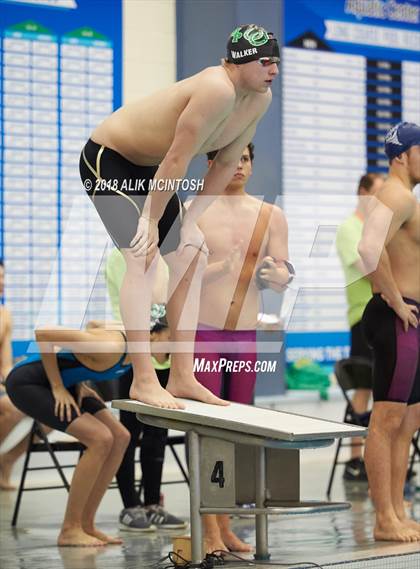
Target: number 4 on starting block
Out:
[217,472]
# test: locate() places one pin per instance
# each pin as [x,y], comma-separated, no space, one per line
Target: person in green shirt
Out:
[358,293]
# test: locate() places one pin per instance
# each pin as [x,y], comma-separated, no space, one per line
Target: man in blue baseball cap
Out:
[390,249]
[401,138]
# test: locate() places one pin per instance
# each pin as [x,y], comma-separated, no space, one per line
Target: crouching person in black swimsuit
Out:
[49,387]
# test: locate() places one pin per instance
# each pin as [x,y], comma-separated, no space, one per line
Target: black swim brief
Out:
[118,189]
[396,362]
[30,391]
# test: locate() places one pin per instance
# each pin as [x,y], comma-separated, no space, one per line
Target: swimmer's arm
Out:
[219,269]
[224,166]
[6,357]
[50,338]
[347,249]
[278,249]
[213,271]
[219,175]
[385,219]
[360,266]
[78,341]
[207,108]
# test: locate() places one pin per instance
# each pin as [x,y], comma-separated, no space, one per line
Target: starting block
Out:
[241,454]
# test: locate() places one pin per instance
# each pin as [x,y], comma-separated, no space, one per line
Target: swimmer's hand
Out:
[192,236]
[408,313]
[267,271]
[231,263]
[270,274]
[85,391]
[64,401]
[146,239]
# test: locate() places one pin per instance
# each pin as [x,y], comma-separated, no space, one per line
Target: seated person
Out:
[49,387]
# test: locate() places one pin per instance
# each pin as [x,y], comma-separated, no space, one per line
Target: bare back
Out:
[143,131]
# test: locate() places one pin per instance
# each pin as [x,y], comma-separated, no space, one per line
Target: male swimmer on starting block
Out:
[148,145]
[391,327]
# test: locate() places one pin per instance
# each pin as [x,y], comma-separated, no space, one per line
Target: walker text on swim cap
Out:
[244,53]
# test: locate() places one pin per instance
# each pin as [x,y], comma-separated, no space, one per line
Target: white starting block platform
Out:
[241,454]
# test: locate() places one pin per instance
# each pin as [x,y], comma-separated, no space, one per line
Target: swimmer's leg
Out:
[229,538]
[9,417]
[186,271]
[98,440]
[211,535]
[8,459]
[385,423]
[400,456]
[135,303]
[120,440]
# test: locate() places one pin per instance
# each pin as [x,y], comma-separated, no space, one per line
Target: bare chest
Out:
[226,231]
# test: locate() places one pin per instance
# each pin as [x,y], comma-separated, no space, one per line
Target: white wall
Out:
[149,46]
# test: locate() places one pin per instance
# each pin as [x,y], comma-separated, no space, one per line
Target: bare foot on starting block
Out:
[148,390]
[192,389]
[412,524]
[395,531]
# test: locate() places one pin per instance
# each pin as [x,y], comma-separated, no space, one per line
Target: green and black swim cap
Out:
[249,43]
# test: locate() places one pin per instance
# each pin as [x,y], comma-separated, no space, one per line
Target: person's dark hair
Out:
[367,181]
[1,262]
[212,155]
[160,325]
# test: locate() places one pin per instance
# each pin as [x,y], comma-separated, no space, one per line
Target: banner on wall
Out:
[351,70]
[61,76]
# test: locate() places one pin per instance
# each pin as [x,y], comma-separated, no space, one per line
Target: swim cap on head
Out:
[249,43]
[400,138]
[157,313]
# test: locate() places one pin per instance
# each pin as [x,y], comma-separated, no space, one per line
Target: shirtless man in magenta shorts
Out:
[248,249]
